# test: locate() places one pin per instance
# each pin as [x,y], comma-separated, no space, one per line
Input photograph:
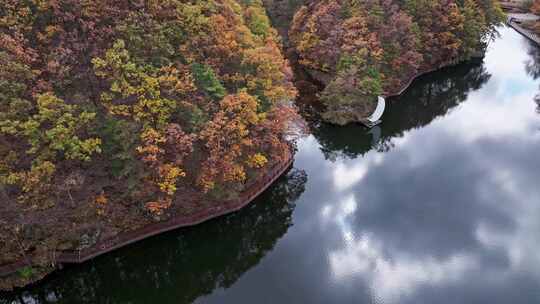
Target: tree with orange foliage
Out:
[228,139]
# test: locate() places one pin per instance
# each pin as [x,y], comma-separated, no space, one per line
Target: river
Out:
[439,204]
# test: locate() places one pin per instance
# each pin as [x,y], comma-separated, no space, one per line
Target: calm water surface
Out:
[440,204]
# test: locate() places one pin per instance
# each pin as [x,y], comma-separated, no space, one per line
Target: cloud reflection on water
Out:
[445,208]
[452,207]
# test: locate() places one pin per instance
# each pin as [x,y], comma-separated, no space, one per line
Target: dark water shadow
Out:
[429,97]
[180,266]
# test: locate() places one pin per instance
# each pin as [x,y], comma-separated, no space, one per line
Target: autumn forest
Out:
[361,49]
[117,114]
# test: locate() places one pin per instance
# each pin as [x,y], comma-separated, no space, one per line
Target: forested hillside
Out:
[113,111]
[141,87]
[361,49]
[118,114]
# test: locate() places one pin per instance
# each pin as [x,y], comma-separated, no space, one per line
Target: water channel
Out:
[439,204]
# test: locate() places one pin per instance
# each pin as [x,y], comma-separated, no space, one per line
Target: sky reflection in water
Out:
[448,213]
[441,204]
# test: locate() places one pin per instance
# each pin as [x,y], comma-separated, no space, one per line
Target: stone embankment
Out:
[126,238]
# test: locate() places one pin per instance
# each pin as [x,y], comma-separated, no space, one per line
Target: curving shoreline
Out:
[428,71]
[226,207]
[130,237]
[126,238]
[411,80]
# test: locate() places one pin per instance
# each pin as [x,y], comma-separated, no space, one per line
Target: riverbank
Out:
[428,71]
[361,54]
[102,133]
[24,271]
